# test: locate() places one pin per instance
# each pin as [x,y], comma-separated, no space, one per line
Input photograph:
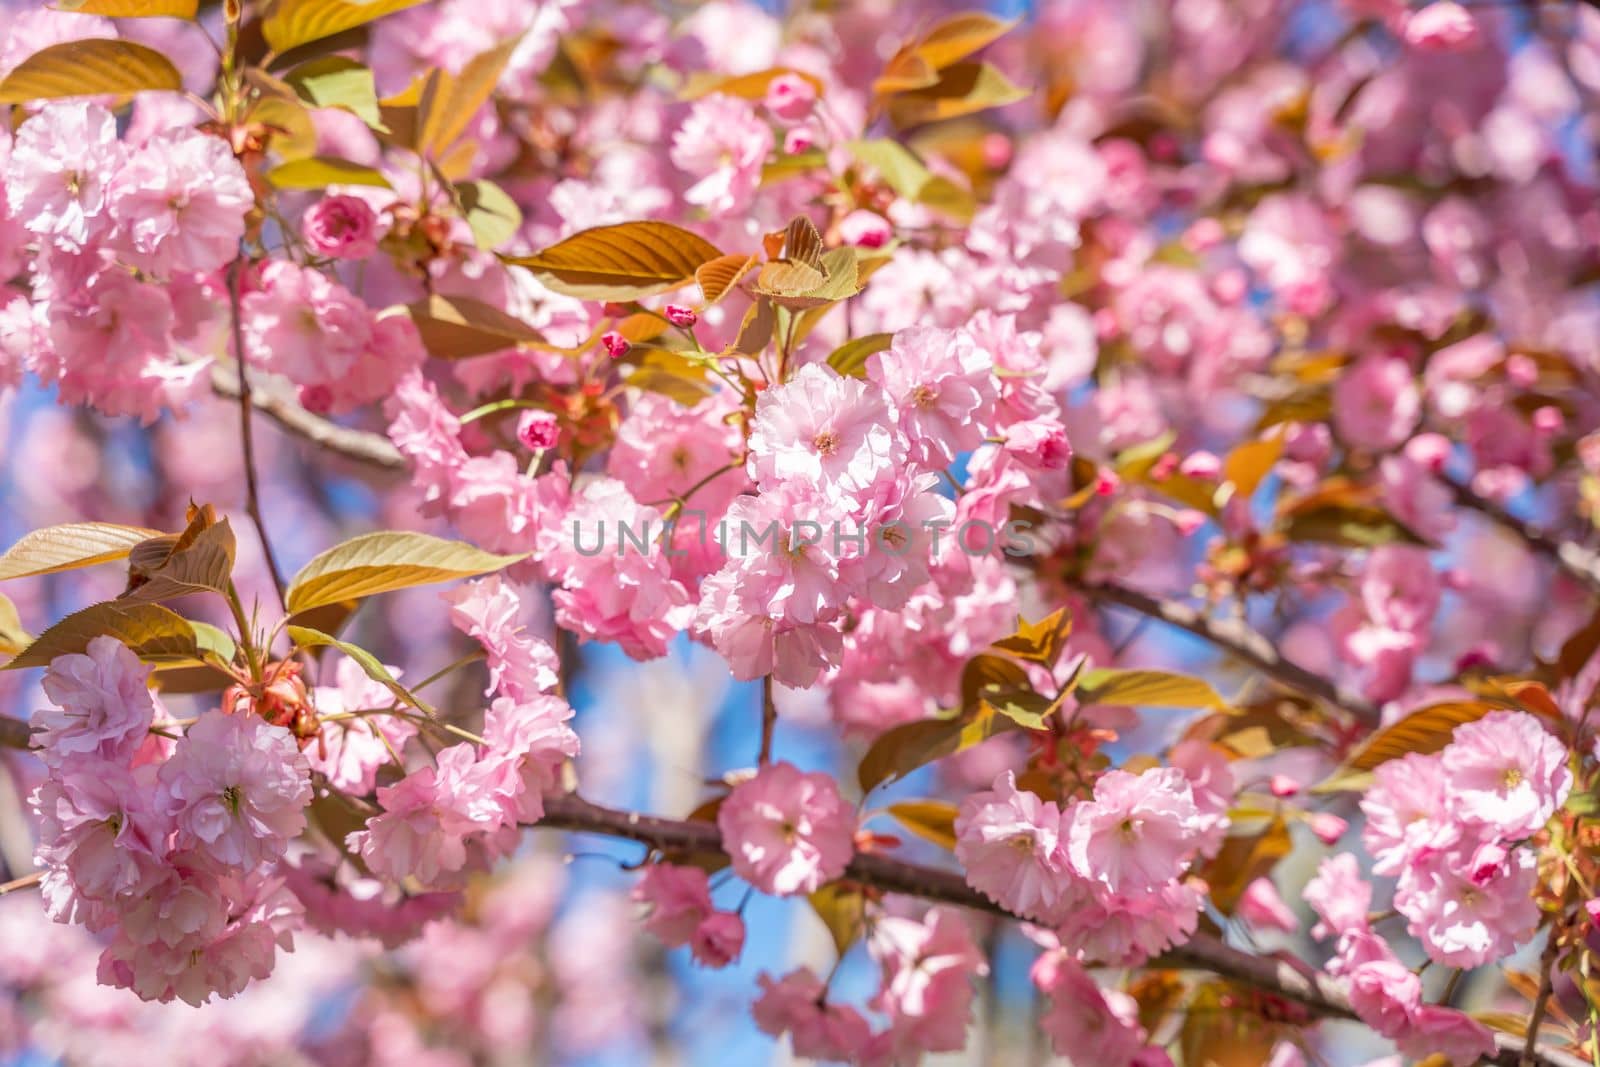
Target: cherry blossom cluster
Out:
[171,847]
[1452,828]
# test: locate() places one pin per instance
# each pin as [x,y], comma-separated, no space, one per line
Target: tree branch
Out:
[252,488]
[1581,563]
[1291,980]
[1240,641]
[370,448]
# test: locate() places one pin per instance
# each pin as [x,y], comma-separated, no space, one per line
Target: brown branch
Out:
[14,733]
[1289,979]
[369,448]
[252,498]
[1581,563]
[1240,641]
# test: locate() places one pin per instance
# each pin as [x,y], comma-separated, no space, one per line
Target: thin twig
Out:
[252,503]
[1240,641]
[1541,1001]
[1581,563]
[769,720]
[369,448]
[27,881]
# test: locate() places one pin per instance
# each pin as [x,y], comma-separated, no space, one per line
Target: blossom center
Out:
[1512,777]
[925,396]
[826,442]
[230,798]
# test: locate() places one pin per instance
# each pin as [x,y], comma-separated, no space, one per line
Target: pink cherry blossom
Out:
[101,705]
[1011,845]
[787,831]
[928,967]
[797,1005]
[1506,773]
[59,172]
[1138,832]
[943,389]
[341,226]
[721,145]
[237,788]
[181,200]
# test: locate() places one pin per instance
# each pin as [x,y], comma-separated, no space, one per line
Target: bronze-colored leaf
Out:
[94,67]
[625,261]
[1039,642]
[850,358]
[383,562]
[719,276]
[70,546]
[292,23]
[931,820]
[962,89]
[448,102]
[458,327]
[151,631]
[1423,731]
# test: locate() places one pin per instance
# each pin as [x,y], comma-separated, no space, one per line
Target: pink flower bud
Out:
[1200,464]
[538,430]
[1263,908]
[718,940]
[617,345]
[1328,828]
[1189,520]
[1106,482]
[865,229]
[679,315]
[1441,27]
[1521,370]
[344,227]
[1203,235]
[1548,421]
[1283,786]
[317,399]
[790,97]
[996,149]
[800,139]
[1428,450]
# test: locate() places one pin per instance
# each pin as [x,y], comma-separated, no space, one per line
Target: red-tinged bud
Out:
[538,430]
[1328,828]
[1283,786]
[616,345]
[1106,483]
[679,315]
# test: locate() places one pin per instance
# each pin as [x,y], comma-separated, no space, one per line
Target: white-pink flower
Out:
[722,144]
[1506,773]
[943,388]
[824,430]
[237,788]
[1138,833]
[786,830]
[61,162]
[180,201]
[1408,811]
[101,705]
[1012,847]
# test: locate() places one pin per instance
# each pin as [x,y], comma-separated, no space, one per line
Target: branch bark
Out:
[1290,979]
[1582,563]
[370,448]
[1240,641]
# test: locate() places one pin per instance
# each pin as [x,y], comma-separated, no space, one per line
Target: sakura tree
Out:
[595,531]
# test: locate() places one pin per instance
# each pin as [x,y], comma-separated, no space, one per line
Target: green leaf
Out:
[850,358]
[319,172]
[292,23]
[1423,731]
[911,179]
[799,285]
[671,374]
[13,638]
[1140,688]
[931,820]
[337,81]
[621,262]
[70,546]
[89,68]
[134,9]
[990,682]
[458,327]
[154,633]
[383,562]
[491,214]
[305,637]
